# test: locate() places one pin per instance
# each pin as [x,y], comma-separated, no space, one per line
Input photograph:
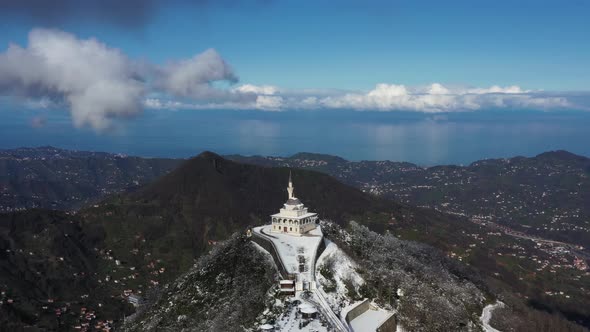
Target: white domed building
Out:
[293,218]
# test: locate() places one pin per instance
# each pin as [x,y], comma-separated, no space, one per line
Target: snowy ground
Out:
[486,315]
[370,320]
[296,252]
[343,268]
[290,320]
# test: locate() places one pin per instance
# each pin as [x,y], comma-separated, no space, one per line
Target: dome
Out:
[266,327]
[309,310]
[293,201]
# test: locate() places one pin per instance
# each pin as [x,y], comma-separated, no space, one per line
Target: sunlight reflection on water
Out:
[456,138]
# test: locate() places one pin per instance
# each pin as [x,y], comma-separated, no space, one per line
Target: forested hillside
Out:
[546,195]
[53,178]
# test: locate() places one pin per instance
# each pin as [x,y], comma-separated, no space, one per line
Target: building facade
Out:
[293,218]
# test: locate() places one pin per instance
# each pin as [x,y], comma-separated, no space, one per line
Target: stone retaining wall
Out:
[269,246]
[389,325]
[358,310]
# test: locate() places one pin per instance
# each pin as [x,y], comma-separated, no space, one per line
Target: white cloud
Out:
[386,97]
[438,89]
[271,103]
[95,81]
[257,89]
[496,89]
[434,98]
[99,84]
[192,77]
[438,98]
[159,104]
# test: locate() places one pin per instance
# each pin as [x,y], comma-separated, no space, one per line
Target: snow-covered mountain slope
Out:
[226,290]
[427,290]
[337,276]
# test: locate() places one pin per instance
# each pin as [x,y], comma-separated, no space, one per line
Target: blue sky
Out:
[427,56]
[354,45]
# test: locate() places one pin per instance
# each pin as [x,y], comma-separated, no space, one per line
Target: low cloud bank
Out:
[438,98]
[434,98]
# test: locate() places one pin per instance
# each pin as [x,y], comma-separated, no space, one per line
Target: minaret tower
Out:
[293,218]
[290,188]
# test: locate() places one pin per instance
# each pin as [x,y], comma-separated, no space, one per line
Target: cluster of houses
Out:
[86,317]
[580,264]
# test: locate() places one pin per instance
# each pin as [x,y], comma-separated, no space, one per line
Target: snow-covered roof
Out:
[309,310]
[266,327]
[287,282]
[370,320]
[303,216]
[305,306]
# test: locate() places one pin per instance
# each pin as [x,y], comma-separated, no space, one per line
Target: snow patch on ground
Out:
[296,252]
[486,315]
[290,321]
[344,270]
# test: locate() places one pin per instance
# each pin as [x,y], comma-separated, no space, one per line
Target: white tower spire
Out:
[290,188]
[293,218]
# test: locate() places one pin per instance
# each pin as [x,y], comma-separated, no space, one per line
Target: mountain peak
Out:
[208,155]
[318,156]
[560,154]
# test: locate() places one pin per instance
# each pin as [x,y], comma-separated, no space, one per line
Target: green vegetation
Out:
[429,291]
[52,178]
[225,291]
[147,238]
[548,193]
[327,272]
[48,263]
[545,195]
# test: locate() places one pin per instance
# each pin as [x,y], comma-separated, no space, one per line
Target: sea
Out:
[424,139]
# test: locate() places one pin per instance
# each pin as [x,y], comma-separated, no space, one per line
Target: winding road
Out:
[486,315]
[336,322]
